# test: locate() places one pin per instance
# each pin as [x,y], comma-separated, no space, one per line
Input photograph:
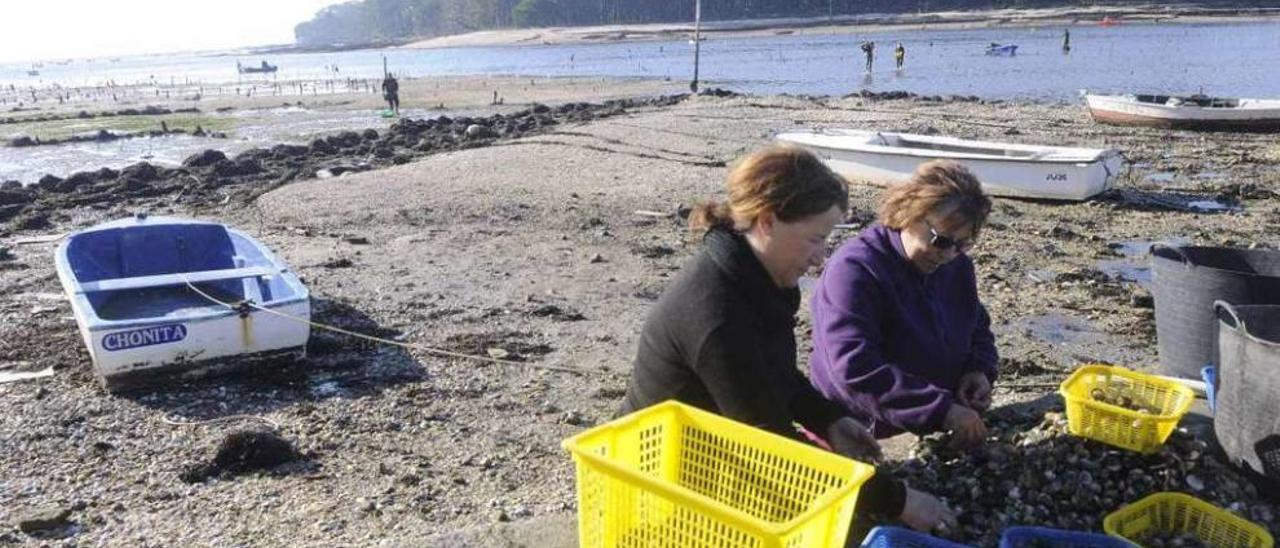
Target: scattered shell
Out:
[1032,472]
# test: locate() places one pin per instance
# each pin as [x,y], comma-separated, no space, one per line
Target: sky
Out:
[60,29]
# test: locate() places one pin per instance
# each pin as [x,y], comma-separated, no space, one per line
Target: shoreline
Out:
[850,24]
[264,120]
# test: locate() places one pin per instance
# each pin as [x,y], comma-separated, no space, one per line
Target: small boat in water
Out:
[1005,169]
[264,68]
[1002,49]
[141,290]
[1199,112]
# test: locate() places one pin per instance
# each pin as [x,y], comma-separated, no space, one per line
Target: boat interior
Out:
[1203,101]
[142,272]
[906,142]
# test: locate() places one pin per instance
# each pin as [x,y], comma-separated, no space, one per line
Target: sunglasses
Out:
[946,242]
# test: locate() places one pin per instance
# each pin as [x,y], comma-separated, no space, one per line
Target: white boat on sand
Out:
[1005,169]
[131,283]
[1198,112]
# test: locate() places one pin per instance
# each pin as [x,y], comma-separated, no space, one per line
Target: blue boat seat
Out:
[94,256]
[149,251]
[118,267]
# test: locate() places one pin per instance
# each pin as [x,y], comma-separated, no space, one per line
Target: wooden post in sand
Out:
[697,42]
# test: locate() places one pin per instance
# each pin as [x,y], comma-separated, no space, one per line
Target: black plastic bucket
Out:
[1246,417]
[1185,283]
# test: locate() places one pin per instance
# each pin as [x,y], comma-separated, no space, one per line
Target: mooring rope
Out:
[273,424]
[244,305]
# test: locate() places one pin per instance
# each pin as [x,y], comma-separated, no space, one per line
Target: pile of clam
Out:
[1031,472]
[1122,397]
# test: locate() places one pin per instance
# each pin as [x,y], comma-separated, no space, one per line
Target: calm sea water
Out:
[1233,59]
[1237,59]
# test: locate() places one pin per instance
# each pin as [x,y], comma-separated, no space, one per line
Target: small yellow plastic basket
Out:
[673,475]
[1100,401]
[1180,513]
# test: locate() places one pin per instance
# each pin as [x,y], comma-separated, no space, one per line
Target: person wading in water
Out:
[391,92]
[869,48]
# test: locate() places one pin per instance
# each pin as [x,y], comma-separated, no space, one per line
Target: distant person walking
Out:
[899,55]
[391,92]
[869,48]
[1066,39]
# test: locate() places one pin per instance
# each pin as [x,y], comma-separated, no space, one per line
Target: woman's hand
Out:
[966,426]
[924,512]
[850,438]
[975,391]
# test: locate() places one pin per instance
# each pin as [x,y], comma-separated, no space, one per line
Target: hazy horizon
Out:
[46,30]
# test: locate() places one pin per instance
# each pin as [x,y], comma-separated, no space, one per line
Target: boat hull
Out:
[184,371]
[1121,112]
[128,355]
[1008,178]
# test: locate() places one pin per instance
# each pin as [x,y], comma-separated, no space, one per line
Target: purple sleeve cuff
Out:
[938,415]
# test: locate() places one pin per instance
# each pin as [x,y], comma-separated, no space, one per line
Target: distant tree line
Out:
[369,21]
[376,21]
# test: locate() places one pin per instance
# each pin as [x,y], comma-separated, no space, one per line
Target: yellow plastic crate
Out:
[1181,513]
[674,475]
[1097,398]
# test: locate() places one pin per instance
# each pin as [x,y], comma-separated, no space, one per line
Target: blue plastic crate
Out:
[1044,537]
[897,537]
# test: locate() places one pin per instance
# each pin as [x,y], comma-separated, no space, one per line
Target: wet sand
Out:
[455,93]
[534,246]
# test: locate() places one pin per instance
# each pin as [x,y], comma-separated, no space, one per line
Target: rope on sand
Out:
[273,424]
[244,306]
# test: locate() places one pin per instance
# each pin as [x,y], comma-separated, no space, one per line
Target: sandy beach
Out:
[549,246]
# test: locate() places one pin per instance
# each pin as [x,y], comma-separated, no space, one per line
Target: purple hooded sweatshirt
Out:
[890,343]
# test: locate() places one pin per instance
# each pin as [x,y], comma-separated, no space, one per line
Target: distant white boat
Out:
[128,285]
[1002,49]
[1005,169]
[1186,112]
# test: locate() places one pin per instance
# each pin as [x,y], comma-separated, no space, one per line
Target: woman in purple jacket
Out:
[900,337]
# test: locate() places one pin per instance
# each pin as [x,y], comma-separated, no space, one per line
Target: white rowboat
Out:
[1002,49]
[130,286]
[1005,169]
[1186,112]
